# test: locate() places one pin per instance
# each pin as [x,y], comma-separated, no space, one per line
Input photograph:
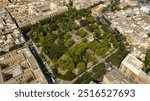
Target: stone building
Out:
[131,67]
[130,72]
[19,67]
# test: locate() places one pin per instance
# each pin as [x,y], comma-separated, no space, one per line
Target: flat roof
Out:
[117,77]
[133,64]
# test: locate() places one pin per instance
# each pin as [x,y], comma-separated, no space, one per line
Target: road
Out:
[43,68]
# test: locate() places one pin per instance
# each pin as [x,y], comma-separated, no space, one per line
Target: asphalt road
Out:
[43,68]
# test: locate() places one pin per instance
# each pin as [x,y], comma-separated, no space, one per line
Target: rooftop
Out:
[134,24]
[81,4]
[98,9]
[133,64]
[6,23]
[20,66]
[116,77]
[32,12]
[10,39]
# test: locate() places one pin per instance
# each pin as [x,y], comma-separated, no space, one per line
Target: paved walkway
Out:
[90,69]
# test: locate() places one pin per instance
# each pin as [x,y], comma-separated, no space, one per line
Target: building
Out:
[131,67]
[83,4]
[130,72]
[33,12]
[10,35]
[3,0]
[132,23]
[4,3]
[98,9]
[132,2]
[9,40]
[145,9]
[7,25]
[116,77]
[19,67]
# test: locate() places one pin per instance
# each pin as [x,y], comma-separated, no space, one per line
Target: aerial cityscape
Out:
[74,41]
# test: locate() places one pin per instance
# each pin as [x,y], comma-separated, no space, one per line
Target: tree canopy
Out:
[82,33]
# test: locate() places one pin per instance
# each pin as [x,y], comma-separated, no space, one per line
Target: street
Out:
[43,68]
